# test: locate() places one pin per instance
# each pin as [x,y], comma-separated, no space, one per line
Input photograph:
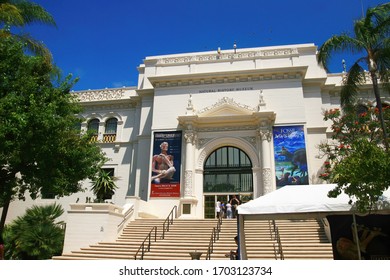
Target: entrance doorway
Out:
[227,172]
[210,201]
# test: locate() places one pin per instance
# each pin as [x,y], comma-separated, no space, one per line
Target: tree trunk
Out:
[4,215]
[379,106]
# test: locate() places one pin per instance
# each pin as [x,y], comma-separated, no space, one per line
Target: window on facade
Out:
[93,127]
[110,131]
[47,195]
[77,127]
[229,170]
[110,171]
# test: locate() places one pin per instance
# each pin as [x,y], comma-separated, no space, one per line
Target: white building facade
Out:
[237,122]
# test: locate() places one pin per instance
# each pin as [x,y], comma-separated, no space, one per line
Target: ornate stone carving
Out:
[267,180]
[187,183]
[262,104]
[190,136]
[251,140]
[226,100]
[190,106]
[265,133]
[203,141]
[229,128]
[100,95]
[228,56]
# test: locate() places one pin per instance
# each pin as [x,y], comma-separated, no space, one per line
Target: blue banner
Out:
[290,155]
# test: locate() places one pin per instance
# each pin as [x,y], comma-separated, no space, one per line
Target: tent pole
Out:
[241,237]
[356,236]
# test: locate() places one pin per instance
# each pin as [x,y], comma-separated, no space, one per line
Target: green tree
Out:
[20,13]
[371,38]
[355,159]
[37,235]
[41,153]
[103,185]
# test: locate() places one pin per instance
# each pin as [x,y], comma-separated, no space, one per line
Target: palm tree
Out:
[20,13]
[103,186]
[37,234]
[371,37]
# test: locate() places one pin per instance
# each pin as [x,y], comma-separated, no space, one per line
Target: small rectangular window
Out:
[110,171]
[186,209]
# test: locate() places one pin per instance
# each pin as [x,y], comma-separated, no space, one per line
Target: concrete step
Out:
[300,240]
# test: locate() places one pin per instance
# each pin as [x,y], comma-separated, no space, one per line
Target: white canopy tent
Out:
[298,202]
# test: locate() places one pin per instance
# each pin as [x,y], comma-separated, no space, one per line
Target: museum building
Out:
[203,127]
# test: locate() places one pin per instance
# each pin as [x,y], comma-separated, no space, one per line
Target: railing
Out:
[278,250]
[324,224]
[109,137]
[128,213]
[214,238]
[169,221]
[94,138]
[149,239]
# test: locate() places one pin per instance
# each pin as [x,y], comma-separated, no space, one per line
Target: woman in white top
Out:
[218,208]
[229,212]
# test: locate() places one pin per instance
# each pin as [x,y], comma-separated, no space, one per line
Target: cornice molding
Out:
[227,56]
[114,106]
[218,77]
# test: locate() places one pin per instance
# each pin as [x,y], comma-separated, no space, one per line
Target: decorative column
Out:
[265,134]
[188,202]
[189,136]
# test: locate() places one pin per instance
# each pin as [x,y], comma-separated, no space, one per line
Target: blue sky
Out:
[103,42]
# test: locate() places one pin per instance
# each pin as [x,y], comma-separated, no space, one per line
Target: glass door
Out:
[209,207]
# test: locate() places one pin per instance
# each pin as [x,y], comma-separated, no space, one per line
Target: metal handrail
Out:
[276,236]
[142,247]
[280,248]
[129,212]
[168,221]
[214,238]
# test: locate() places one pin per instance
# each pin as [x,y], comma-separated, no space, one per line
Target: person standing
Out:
[229,213]
[234,202]
[218,209]
[234,254]
[223,209]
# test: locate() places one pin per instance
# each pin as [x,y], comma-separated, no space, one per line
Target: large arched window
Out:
[228,170]
[110,131]
[93,127]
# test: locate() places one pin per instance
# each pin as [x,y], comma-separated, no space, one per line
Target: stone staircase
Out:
[300,240]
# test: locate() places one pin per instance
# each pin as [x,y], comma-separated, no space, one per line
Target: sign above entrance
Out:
[225,89]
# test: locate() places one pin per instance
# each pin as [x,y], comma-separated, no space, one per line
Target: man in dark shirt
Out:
[235,202]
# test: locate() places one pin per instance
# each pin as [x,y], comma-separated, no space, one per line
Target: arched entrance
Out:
[227,172]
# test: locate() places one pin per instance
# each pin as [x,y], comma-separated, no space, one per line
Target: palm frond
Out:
[336,44]
[104,185]
[355,77]
[379,15]
[34,46]
[10,15]
[34,13]
[382,57]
